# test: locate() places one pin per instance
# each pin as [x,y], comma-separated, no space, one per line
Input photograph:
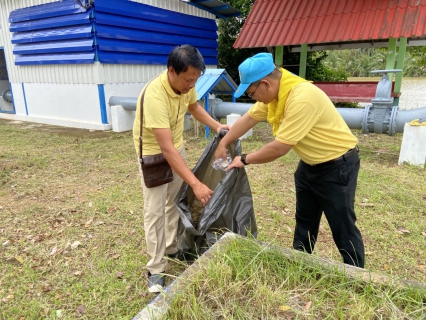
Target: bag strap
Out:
[141,120]
[141,124]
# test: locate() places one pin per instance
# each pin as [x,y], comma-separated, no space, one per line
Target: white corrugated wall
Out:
[178,6]
[81,74]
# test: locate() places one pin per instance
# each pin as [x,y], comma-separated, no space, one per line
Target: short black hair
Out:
[184,56]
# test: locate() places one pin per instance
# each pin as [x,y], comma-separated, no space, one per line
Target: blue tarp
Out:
[63,21]
[25,60]
[102,18]
[131,58]
[49,47]
[54,9]
[80,32]
[111,31]
[141,11]
[117,45]
[150,37]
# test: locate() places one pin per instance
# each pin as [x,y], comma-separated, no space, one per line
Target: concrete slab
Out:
[122,119]
[232,118]
[158,307]
[413,147]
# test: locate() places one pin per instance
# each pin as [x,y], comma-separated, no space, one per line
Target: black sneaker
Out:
[185,257]
[176,255]
[156,282]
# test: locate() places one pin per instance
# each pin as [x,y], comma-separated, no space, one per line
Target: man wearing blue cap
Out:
[305,120]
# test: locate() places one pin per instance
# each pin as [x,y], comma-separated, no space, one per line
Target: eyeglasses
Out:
[250,95]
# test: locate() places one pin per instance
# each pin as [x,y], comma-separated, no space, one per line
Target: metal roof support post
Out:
[390,57]
[206,106]
[303,60]
[279,52]
[399,65]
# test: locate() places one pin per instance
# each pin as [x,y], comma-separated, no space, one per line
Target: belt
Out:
[345,156]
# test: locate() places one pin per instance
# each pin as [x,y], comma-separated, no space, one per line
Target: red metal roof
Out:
[294,22]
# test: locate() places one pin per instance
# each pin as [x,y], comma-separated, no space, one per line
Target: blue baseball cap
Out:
[254,69]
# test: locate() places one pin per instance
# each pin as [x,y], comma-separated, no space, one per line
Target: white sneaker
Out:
[156,282]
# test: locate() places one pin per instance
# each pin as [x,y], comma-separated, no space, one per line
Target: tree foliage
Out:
[415,62]
[315,70]
[230,58]
[360,62]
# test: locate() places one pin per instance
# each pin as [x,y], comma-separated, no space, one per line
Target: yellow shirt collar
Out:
[165,82]
[276,108]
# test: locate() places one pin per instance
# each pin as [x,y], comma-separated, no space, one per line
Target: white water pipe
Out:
[376,118]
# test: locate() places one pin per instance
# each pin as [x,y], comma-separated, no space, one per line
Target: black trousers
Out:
[329,188]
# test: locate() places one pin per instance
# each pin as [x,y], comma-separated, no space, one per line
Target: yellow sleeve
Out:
[301,113]
[259,111]
[194,95]
[156,109]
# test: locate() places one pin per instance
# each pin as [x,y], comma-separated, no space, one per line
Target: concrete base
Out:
[232,118]
[413,147]
[122,119]
[158,307]
[57,122]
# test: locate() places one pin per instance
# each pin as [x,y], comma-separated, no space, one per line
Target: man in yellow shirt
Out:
[167,98]
[305,120]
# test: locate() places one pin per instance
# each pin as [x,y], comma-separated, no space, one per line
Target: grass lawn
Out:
[72,242]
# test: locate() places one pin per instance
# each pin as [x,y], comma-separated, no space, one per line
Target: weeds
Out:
[72,242]
[247,280]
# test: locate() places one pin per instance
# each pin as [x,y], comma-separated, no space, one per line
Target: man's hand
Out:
[236,163]
[223,127]
[202,192]
[221,152]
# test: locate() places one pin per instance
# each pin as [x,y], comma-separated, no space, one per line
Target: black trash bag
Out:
[229,209]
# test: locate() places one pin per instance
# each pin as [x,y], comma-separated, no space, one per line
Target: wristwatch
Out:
[243,159]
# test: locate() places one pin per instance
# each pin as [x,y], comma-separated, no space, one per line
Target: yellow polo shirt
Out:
[162,108]
[311,124]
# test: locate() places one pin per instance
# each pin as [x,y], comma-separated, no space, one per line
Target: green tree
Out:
[415,62]
[230,58]
[360,62]
[419,54]
[316,69]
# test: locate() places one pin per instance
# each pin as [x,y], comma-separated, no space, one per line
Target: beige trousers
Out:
[161,218]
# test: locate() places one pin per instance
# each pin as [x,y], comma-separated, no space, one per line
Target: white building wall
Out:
[68,95]
[75,74]
[127,73]
[76,105]
[72,100]
[65,74]
[178,6]
[115,87]
[18,99]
